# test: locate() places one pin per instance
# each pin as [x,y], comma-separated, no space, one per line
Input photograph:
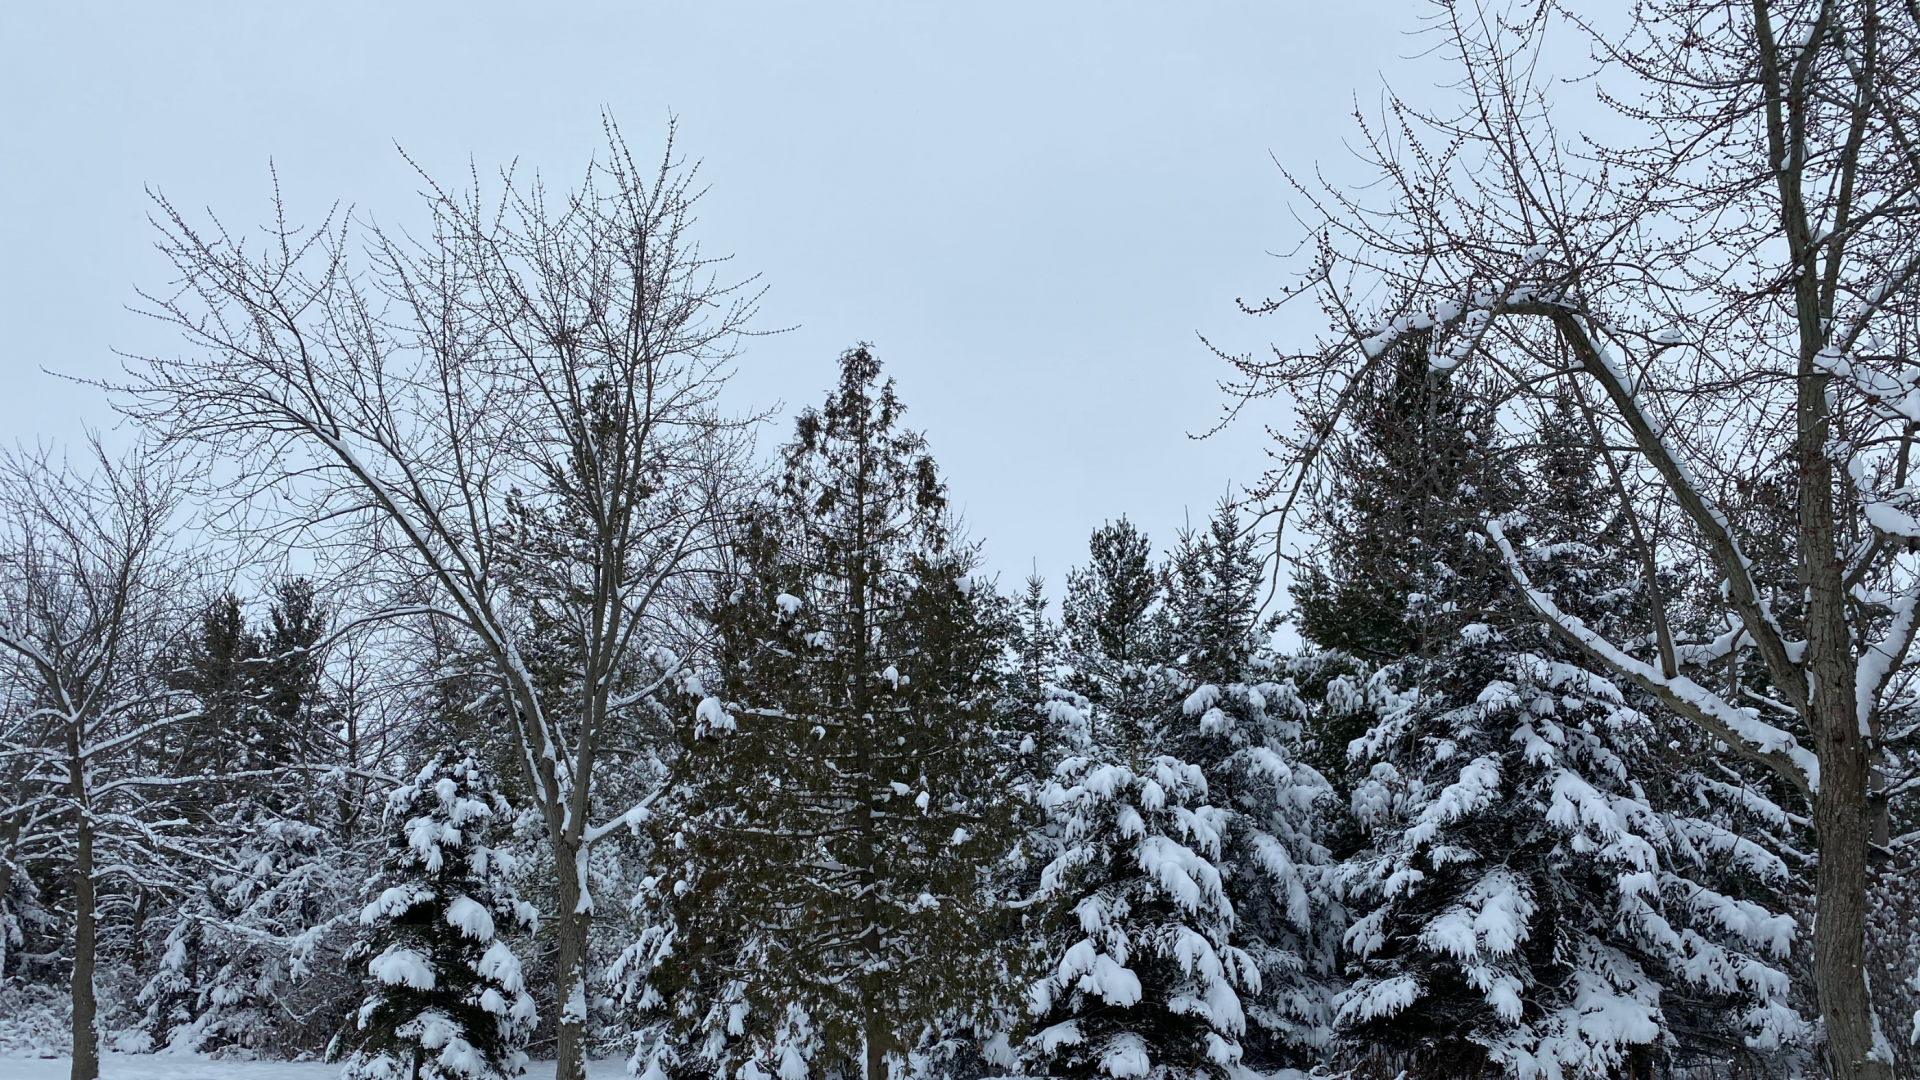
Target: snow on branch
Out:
[1471,321]
[1739,728]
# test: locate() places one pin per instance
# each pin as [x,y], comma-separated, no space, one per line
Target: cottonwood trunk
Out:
[1840,920]
[86,1047]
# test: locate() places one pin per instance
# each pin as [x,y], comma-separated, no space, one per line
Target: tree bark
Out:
[1841,810]
[570,968]
[86,1047]
[1840,903]
[868,785]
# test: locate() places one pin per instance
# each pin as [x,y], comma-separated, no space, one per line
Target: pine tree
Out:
[226,949]
[220,669]
[845,786]
[446,996]
[295,707]
[1036,645]
[1108,600]
[1145,978]
[1404,565]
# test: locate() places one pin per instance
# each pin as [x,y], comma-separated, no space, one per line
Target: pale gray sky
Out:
[1029,208]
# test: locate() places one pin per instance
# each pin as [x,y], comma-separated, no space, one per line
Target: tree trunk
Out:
[86,1047]
[1840,809]
[868,784]
[570,969]
[1842,819]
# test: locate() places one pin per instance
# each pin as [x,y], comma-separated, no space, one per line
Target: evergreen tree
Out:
[844,790]
[1036,645]
[1241,722]
[296,712]
[1145,979]
[220,668]
[1186,890]
[1404,564]
[226,949]
[261,706]
[1529,887]
[1109,600]
[446,996]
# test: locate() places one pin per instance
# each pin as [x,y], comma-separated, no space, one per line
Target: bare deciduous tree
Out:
[513,418]
[1735,284]
[89,588]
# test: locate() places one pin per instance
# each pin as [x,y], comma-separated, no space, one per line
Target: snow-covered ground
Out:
[159,1067]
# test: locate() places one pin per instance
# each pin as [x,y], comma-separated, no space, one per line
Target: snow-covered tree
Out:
[250,953]
[565,477]
[1240,722]
[844,790]
[1534,893]
[277,867]
[1144,908]
[1189,916]
[91,589]
[1729,282]
[446,998]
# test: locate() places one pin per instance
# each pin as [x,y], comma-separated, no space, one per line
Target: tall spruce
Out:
[227,950]
[845,784]
[1241,721]
[1529,887]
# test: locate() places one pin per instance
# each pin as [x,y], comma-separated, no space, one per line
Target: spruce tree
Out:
[1529,888]
[845,784]
[446,999]
[1240,721]
[1183,816]
[226,948]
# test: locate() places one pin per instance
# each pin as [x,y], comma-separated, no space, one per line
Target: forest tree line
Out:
[1547,711]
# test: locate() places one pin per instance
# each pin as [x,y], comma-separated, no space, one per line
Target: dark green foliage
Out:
[1036,645]
[272,832]
[1403,564]
[261,706]
[1527,860]
[843,793]
[1213,599]
[1108,600]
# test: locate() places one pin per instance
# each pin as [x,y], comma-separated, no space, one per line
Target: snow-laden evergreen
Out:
[241,946]
[1192,915]
[282,872]
[1523,891]
[1539,887]
[446,997]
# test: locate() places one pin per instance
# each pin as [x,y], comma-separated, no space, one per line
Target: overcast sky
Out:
[1030,209]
